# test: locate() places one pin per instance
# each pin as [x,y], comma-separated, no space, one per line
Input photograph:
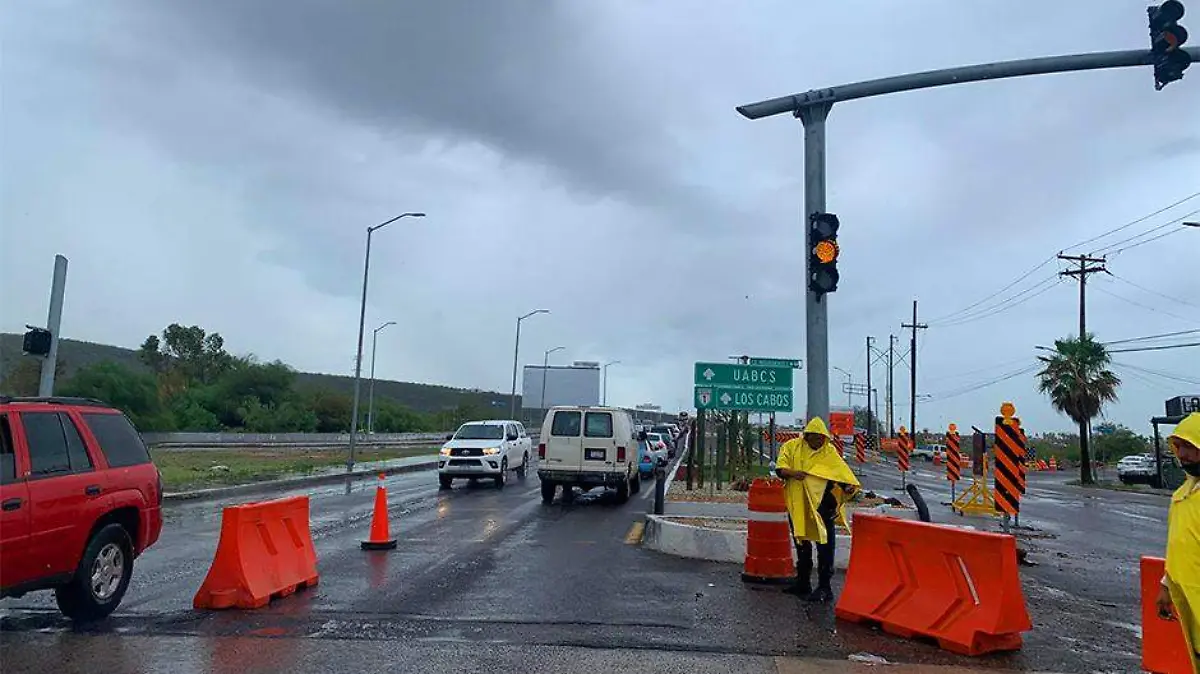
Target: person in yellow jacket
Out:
[1181,583]
[817,484]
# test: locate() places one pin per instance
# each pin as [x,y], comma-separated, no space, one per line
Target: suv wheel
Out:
[548,491]
[102,577]
[524,469]
[502,478]
[445,481]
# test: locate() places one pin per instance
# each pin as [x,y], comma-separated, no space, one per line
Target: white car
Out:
[1136,468]
[485,449]
[662,445]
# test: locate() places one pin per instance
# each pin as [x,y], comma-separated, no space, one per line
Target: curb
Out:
[290,483]
[669,537]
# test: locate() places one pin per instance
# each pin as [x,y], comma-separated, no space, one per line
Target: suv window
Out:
[54,444]
[8,455]
[521,431]
[120,442]
[599,425]
[566,424]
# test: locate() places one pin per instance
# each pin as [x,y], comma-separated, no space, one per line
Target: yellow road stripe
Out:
[634,536]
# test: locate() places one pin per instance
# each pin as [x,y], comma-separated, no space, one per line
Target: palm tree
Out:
[1079,383]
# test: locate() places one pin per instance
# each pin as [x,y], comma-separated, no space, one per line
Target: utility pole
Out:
[1082,272]
[912,411]
[1097,266]
[891,417]
[869,424]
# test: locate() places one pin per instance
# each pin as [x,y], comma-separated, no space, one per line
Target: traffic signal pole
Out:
[812,108]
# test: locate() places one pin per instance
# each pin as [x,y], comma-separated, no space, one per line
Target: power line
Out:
[1144,218]
[995,366]
[1144,306]
[1015,301]
[1152,292]
[967,308]
[953,393]
[1155,348]
[1159,373]
[1150,337]
[1109,249]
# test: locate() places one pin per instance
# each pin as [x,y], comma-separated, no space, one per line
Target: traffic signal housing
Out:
[36,341]
[1166,42]
[823,253]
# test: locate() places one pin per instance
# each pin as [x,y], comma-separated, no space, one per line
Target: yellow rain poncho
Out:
[821,466]
[1183,544]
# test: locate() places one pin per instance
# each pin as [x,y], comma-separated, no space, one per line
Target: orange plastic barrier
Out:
[968,597]
[265,551]
[768,535]
[1164,650]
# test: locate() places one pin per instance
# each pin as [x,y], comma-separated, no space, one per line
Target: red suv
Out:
[79,500]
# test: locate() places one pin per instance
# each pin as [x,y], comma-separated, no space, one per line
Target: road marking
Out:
[634,537]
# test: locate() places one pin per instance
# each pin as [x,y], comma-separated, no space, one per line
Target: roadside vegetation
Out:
[185,380]
[189,469]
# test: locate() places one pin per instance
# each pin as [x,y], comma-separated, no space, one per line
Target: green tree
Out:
[134,393]
[185,356]
[332,409]
[190,412]
[1119,442]
[1078,382]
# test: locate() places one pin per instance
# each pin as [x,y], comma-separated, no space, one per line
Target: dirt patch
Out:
[707,523]
[706,494]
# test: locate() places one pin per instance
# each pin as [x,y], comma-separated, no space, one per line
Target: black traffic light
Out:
[823,253]
[1166,42]
[36,342]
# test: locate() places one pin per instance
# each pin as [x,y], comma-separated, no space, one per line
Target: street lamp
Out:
[545,364]
[362,319]
[849,386]
[512,410]
[604,395]
[371,394]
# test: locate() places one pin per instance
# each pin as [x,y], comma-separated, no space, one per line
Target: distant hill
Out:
[74,354]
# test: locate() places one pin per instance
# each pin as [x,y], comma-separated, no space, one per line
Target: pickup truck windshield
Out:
[479,432]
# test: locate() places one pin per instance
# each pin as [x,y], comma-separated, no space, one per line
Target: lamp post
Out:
[849,388]
[371,389]
[512,410]
[604,394]
[546,364]
[362,319]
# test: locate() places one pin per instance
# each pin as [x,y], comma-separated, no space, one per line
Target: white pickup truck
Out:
[485,449]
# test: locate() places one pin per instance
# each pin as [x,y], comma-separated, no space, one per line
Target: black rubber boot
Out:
[802,587]
[822,595]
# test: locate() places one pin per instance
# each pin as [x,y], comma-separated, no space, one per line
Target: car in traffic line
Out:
[485,449]
[922,452]
[80,499]
[663,443]
[588,447]
[1136,468]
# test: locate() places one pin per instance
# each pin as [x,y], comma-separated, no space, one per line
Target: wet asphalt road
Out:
[1083,589]
[493,580]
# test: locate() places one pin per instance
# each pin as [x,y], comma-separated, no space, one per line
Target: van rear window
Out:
[566,424]
[599,425]
[119,441]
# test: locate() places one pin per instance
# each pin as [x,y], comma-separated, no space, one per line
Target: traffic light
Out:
[822,262]
[1166,42]
[36,342]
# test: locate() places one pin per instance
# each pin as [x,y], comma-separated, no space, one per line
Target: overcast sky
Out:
[217,163]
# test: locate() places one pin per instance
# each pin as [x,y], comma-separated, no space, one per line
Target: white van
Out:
[588,447]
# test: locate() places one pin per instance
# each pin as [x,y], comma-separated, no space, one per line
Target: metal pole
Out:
[362,321]
[604,386]
[371,389]
[869,425]
[891,391]
[512,405]
[816,308]
[545,366]
[58,288]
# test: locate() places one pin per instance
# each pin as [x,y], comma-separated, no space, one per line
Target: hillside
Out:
[74,354]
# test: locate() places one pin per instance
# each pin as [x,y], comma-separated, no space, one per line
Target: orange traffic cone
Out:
[381,537]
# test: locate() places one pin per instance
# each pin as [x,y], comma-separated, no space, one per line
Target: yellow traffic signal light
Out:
[1166,39]
[823,253]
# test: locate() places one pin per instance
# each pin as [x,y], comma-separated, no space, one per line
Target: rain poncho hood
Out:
[1183,544]
[821,466]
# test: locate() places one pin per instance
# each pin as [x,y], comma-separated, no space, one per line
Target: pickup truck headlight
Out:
[445,451]
[491,451]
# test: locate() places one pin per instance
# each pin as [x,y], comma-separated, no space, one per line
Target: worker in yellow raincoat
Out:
[817,483]
[1181,584]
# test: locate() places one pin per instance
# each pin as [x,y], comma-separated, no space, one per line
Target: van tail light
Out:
[541,450]
[620,455]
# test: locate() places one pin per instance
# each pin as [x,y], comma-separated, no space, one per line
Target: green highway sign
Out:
[747,377]
[777,362]
[733,398]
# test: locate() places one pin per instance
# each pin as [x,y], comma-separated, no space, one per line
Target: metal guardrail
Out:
[207,440]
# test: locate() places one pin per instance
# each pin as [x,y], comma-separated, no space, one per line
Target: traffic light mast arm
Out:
[938,78]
